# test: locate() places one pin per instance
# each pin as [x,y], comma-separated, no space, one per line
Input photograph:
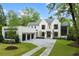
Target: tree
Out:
[29,15]
[68,9]
[2,22]
[13,19]
[2,16]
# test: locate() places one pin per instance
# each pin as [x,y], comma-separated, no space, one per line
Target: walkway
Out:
[48,43]
[32,51]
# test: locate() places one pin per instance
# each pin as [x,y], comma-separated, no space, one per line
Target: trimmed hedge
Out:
[9,41]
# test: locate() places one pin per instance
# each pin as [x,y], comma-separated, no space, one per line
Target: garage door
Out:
[30,36]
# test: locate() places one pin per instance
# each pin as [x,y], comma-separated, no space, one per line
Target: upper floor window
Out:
[43,26]
[56,26]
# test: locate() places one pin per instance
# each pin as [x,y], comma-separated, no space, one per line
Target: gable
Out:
[43,22]
[55,21]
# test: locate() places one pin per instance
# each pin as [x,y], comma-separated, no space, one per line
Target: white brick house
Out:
[43,28]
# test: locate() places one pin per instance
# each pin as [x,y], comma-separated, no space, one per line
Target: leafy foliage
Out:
[67,9]
[30,15]
[13,19]
[2,16]
[1,37]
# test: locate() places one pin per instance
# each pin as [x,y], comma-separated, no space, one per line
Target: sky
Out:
[39,7]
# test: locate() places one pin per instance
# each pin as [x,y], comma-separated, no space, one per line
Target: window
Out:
[55,34]
[43,26]
[64,30]
[56,26]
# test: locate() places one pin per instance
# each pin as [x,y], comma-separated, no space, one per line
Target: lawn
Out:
[22,48]
[37,53]
[62,48]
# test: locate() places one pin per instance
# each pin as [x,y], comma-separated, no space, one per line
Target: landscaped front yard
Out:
[62,48]
[37,53]
[22,48]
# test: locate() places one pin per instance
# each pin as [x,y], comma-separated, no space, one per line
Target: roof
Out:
[65,24]
[34,23]
[49,21]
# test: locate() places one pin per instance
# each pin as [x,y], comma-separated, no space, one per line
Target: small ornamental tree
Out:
[11,34]
[1,37]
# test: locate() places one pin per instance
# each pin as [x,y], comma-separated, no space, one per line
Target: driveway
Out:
[42,42]
[48,43]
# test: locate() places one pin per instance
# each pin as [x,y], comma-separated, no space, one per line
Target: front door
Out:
[48,34]
[55,34]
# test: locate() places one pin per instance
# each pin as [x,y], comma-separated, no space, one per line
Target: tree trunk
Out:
[72,9]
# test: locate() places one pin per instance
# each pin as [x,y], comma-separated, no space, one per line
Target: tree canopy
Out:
[67,9]
[13,19]
[2,16]
[29,15]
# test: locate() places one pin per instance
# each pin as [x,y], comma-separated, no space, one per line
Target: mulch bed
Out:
[76,54]
[74,45]
[11,48]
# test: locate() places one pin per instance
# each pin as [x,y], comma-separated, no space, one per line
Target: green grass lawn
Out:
[22,48]
[37,53]
[62,48]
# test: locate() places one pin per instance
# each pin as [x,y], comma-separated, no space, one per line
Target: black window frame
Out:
[55,34]
[43,26]
[55,26]
[64,30]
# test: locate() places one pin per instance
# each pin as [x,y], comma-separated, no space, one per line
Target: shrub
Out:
[1,39]
[11,48]
[17,39]
[9,41]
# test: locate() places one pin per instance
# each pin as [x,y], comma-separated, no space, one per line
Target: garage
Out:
[30,36]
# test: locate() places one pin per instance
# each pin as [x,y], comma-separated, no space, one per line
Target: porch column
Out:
[45,35]
[26,36]
[35,36]
[30,36]
[51,35]
[20,37]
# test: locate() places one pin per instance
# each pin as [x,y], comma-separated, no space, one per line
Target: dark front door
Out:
[23,37]
[48,34]
[55,34]
[28,36]
[32,35]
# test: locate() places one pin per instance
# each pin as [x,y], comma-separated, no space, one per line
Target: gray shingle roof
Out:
[65,24]
[49,21]
[34,23]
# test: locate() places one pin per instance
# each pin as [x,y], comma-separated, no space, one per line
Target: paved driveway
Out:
[42,42]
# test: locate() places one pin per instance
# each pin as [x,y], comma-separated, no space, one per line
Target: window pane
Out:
[43,26]
[55,34]
[56,26]
[63,30]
